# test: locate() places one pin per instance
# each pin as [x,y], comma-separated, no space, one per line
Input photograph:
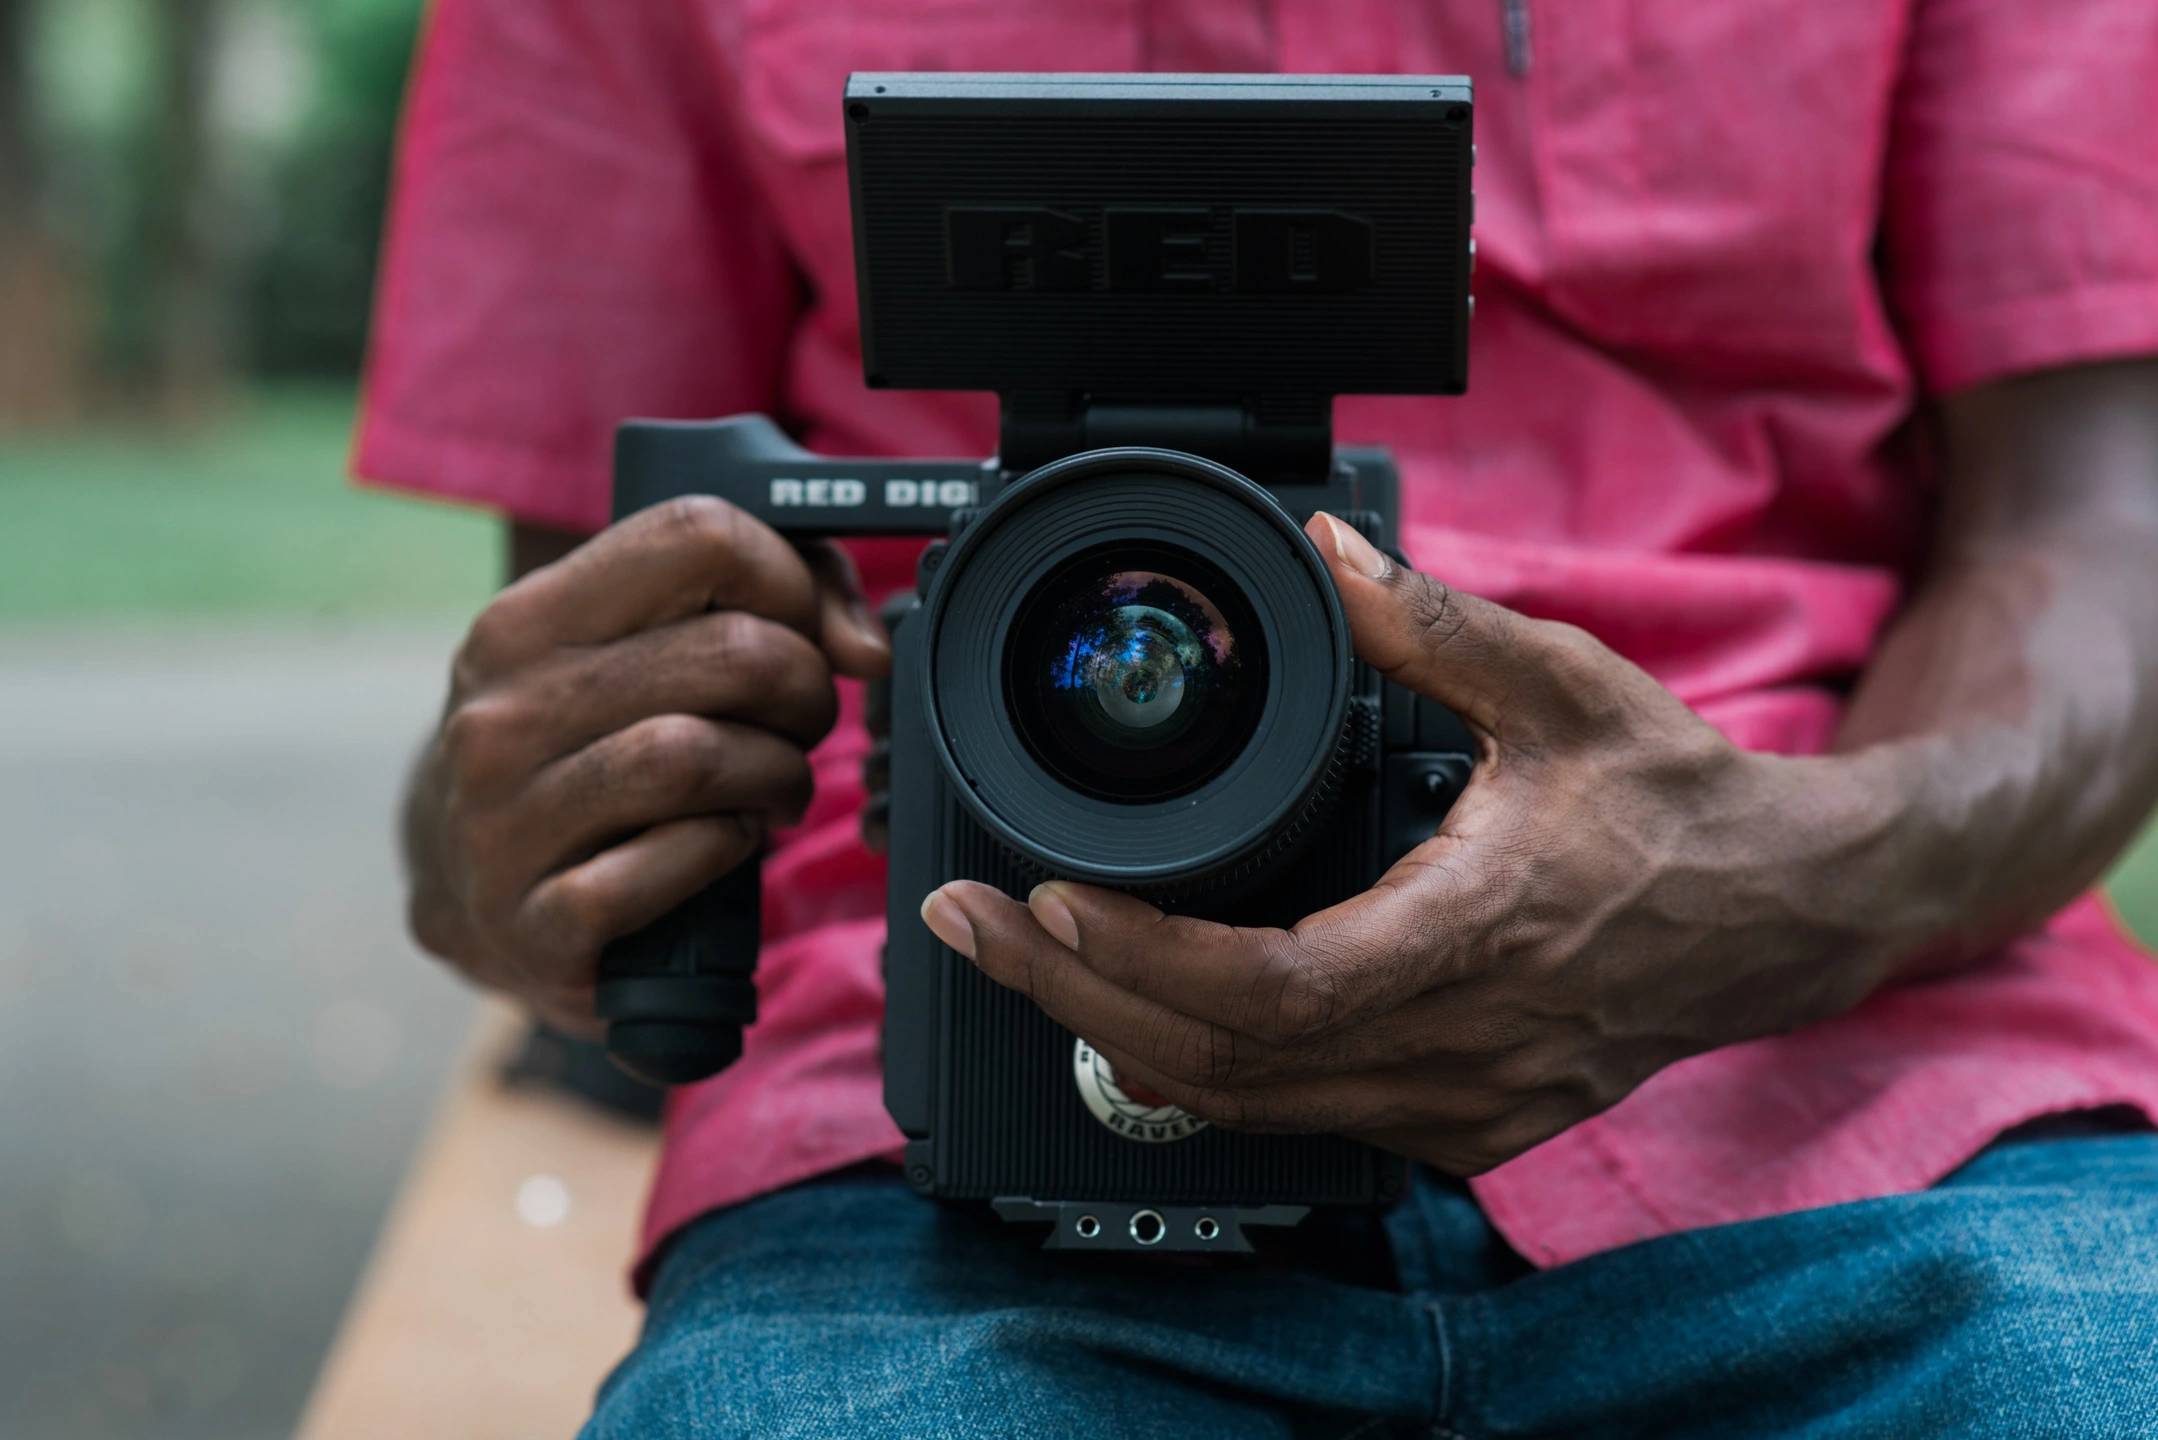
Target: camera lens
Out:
[1135,672]
[1138,675]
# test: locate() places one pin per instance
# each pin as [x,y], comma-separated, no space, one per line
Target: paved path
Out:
[216,1046]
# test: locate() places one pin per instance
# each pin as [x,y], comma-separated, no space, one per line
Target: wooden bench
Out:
[497,1296]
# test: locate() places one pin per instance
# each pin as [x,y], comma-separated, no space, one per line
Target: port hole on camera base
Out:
[1206,1227]
[1147,1227]
[1088,1227]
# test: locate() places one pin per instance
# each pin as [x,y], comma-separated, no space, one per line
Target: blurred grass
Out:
[253,518]
[2134,888]
[250,517]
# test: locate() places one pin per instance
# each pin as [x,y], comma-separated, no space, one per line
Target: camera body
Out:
[1123,663]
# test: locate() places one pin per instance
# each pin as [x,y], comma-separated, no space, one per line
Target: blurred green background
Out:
[190,201]
[249,515]
[215,659]
[217,1046]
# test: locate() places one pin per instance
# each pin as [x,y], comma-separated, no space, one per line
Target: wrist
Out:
[1895,866]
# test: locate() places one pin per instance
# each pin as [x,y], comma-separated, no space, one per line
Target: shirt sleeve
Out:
[574,238]
[2021,213]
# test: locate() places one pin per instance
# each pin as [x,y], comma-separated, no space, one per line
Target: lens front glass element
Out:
[1136,672]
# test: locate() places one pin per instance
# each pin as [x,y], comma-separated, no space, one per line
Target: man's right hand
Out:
[623,727]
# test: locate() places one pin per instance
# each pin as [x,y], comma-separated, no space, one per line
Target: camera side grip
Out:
[677,994]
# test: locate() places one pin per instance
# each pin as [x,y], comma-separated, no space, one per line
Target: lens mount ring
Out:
[1286,771]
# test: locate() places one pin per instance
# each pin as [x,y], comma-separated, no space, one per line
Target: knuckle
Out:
[1478,1108]
[656,750]
[765,659]
[1310,997]
[735,837]
[1703,751]
[1302,1007]
[1175,1047]
[1209,1056]
[746,647]
[578,920]
[1501,1039]
[1435,611]
[1522,1071]
[703,522]
[1297,993]
[480,743]
[490,643]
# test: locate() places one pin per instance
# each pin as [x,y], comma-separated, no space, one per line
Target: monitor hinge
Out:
[1272,441]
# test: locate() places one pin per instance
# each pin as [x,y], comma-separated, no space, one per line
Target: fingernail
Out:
[1053,915]
[1354,551]
[858,612]
[948,923]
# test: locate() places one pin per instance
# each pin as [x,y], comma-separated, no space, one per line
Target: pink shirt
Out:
[1724,248]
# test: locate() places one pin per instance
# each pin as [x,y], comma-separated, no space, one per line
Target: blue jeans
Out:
[2017,1297]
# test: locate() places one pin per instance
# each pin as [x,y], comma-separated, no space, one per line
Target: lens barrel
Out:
[1138,673]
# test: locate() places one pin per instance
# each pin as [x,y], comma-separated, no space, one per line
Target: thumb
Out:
[1467,653]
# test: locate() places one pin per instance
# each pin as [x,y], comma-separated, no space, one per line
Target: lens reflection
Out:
[1128,680]
[1135,665]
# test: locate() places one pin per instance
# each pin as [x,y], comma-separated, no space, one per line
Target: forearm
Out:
[2011,713]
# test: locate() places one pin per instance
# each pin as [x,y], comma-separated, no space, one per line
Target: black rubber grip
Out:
[676,994]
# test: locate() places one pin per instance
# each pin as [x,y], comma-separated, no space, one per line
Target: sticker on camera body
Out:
[1132,1111]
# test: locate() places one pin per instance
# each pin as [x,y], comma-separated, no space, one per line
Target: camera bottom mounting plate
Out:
[1140,1227]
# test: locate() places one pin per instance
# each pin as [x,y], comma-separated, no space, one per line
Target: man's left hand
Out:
[1618,887]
